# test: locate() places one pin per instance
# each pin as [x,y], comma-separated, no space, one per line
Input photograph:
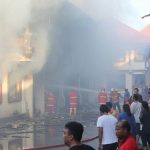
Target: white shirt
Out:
[136,110]
[108,123]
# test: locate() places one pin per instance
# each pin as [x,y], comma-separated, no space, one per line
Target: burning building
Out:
[16,89]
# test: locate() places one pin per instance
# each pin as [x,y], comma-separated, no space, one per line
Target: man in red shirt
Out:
[102,97]
[51,103]
[73,102]
[126,141]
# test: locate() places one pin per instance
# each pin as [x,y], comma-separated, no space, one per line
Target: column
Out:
[128,81]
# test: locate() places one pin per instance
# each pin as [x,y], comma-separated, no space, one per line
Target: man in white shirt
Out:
[106,124]
[136,111]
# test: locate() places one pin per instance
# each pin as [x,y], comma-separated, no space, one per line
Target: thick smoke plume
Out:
[16,16]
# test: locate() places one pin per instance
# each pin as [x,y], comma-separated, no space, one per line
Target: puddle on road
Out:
[27,134]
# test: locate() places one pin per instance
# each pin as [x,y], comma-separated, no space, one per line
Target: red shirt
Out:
[128,144]
[73,97]
[102,97]
[51,100]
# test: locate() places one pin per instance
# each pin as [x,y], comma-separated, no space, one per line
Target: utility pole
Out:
[148,15]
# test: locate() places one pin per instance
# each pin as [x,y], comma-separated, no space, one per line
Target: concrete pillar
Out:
[39,97]
[147,78]
[128,81]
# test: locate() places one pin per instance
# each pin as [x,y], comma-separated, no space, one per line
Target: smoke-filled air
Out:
[73,60]
[67,39]
[23,36]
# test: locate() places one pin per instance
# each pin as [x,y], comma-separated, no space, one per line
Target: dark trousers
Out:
[145,138]
[116,104]
[112,146]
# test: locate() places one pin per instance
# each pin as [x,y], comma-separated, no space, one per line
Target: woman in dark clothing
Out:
[145,121]
[126,115]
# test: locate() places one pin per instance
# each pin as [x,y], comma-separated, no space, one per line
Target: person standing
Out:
[126,115]
[126,96]
[72,136]
[136,91]
[51,103]
[102,97]
[126,141]
[115,96]
[136,110]
[73,102]
[145,121]
[148,97]
[106,130]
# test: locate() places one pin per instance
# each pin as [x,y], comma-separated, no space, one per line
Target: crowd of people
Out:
[118,129]
[135,111]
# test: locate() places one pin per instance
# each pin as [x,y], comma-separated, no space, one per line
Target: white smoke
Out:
[15,17]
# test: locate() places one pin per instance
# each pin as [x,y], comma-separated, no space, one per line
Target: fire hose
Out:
[59,145]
